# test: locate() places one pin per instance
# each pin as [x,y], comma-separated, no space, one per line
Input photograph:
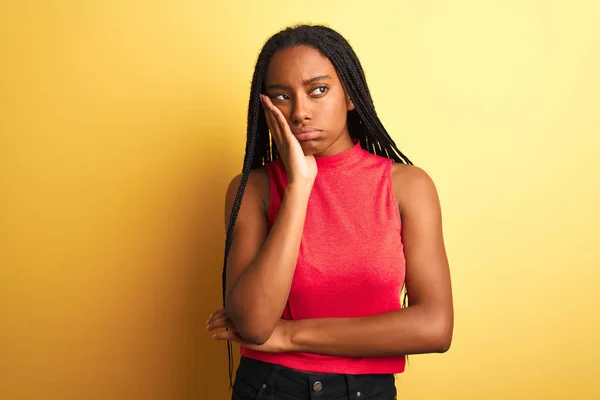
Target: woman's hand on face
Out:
[300,168]
[279,342]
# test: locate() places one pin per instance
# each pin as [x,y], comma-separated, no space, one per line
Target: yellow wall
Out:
[122,122]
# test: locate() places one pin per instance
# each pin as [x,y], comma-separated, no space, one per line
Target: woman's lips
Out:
[307,135]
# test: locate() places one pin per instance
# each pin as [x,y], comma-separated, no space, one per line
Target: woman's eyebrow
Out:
[316,79]
[305,82]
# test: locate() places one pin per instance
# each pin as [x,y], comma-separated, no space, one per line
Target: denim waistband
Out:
[270,378]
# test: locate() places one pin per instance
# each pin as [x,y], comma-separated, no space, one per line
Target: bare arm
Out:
[426,326]
[260,267]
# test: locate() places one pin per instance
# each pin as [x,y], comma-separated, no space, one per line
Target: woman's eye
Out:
[320,90]
[282,97]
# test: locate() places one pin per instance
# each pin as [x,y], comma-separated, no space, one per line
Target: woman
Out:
[333,223]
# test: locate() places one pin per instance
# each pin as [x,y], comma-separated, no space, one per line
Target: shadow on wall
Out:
[183,283]
[200,364]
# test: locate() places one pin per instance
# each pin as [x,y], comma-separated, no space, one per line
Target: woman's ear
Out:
[350,104]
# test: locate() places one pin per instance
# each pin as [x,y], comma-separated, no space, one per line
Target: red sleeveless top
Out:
[351,260]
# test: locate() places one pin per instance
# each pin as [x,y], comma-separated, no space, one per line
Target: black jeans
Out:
[257,380]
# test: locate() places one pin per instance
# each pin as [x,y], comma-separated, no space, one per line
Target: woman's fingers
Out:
[263,100]
[273,126]
[297,165]
[231,336]
[284,127]
[220,323]
[218,311]
[272,122]
[216,314]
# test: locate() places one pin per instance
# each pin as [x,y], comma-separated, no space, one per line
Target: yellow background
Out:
[122,122]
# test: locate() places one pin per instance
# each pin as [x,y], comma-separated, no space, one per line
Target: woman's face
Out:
[304,85]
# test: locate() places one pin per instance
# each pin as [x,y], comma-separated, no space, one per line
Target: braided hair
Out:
[363,122]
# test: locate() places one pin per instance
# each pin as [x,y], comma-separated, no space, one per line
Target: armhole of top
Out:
[390,174]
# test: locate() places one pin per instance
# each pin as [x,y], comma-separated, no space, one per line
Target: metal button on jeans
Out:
[317,386]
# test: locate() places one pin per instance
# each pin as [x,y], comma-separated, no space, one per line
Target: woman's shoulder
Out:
[407,173]
[256,179]
[257,186]
[412,184]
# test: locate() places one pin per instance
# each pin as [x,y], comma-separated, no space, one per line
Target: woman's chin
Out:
[311,147]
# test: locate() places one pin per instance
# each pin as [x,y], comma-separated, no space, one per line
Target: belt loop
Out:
[349,384]
[353,393]
[271,379]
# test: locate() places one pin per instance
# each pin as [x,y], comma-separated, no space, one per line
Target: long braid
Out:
[250,147]
[363,123]
[254,141]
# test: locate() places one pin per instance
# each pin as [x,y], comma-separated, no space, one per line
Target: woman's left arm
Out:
[426,325]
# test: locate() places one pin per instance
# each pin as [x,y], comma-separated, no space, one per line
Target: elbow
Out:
[443,344]
[250,328]
[441,334]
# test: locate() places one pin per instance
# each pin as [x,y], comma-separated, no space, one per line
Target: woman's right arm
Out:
[260,266]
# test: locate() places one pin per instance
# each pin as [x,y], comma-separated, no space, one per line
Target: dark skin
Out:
[310,95]
[296,101]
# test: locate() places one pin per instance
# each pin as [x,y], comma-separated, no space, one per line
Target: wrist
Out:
[298,192]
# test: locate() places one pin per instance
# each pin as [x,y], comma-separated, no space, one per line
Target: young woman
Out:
[326,224]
